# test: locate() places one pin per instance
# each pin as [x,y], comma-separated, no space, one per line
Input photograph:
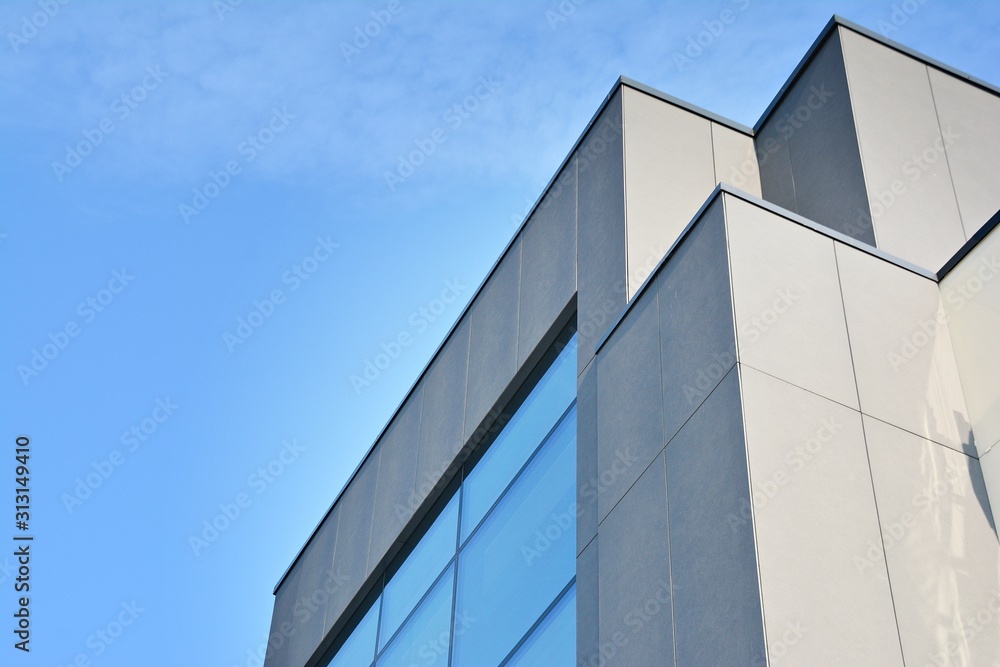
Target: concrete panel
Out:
[282,619]
[909,185]
[669,171]
[814,512]
[353,536]
[587,482]
[493,346]
[775,164]
[814,121]
[903,358]
[587,606]
[316,582]
[939,541]
[397,470]
[441,423]
[635,617]
[697,342]
[971,295]
[548,262]
[735,159]
[600,228]
[968,115]
[789,313]
[629,403]
[713,566]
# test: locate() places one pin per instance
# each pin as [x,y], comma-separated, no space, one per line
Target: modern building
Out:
[731,396]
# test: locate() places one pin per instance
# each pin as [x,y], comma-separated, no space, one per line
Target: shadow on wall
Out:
[975,470]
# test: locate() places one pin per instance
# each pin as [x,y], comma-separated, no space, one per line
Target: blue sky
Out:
[200,248]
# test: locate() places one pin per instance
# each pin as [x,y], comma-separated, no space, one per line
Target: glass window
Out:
[522,556]
[420,569]
[426,636]
[515,511]
[359,649]
[519,439]
[553,643]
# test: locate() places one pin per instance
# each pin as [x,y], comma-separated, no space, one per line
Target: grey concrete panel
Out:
[697,340]
[735,159]
[587,483]
[814,513]
[629,403]
[909,185]
[971,295]
[967,115]
[353,537]
[900,341]
[816,120]
[940,543]
[397,470]
[717,608]
[442,423]
[317,581]
[636,618]
[282,622]
[777,185]
[600,229]
[775,165]
[493,346]
[548,262]
[789,312]
[669,172]
[587,606]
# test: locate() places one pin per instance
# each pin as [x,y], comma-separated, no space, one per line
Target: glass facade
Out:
[492,580]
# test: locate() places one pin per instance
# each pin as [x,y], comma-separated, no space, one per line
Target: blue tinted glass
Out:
[435,549]
[519,438]
[553,643]
[425,637]
[359,649]
[522,556]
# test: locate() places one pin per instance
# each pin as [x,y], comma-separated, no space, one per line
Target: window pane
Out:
[359,649]
[553,643]
[519,438]
[425,637]
[523,555]
[435,549]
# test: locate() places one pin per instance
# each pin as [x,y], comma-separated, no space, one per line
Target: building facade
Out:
[731,396]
